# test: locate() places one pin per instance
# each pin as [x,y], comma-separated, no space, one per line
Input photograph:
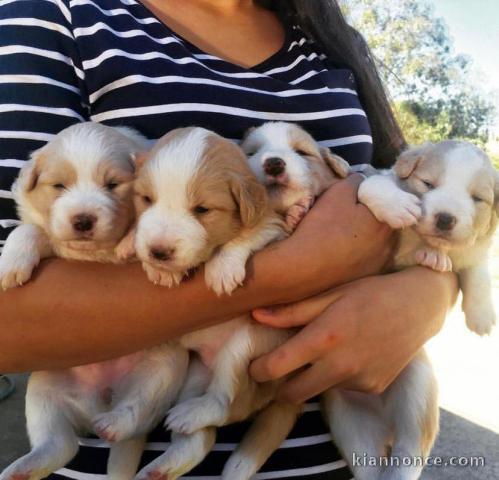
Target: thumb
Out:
[294,314]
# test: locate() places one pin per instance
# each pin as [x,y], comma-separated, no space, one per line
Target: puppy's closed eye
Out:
[200,209]
[111,185]
[429,185]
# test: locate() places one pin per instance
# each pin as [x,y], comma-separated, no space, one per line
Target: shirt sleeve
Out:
[41,87]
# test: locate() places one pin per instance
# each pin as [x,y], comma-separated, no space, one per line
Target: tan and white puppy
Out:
[446,197]
[292,166]
[199,202]
[219,390]
[448,193]
[74,198]
[75,201]
[360,424]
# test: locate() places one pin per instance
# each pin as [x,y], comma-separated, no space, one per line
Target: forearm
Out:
[75,313]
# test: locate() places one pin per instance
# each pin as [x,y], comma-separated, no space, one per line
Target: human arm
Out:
[358,336]
[73,313]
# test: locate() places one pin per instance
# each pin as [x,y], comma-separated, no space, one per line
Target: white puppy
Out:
[292,166]
[75,201]
[219,390]
[199,202]
[448,193]
[360,424]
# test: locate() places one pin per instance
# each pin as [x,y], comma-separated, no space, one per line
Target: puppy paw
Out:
[404,211]
[113,426]
[18,471]
[197,413]
[125,250]
[295,213]
[16,476]
[239,467]
[15,273]
[434,259]
[155,474]
[480,319]
[225,272]
[183,454]
[162,277]
[166,467]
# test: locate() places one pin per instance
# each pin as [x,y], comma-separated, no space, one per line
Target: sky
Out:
[474,26]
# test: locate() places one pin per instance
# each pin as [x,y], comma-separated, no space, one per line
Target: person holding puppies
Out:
[225,66]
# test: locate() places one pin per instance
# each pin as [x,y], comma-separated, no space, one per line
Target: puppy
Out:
[75,201]
[360,424]
[291,165]
[448,193]
[218,390]
[445,195]
[198,202]
[74,198]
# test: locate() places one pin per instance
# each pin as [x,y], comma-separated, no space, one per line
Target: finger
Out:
[295,314]
[305,347]
[313,381]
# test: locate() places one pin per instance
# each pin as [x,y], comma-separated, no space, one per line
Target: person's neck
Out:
[223,7]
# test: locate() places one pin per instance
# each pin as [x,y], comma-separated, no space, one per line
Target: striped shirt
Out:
[113,61]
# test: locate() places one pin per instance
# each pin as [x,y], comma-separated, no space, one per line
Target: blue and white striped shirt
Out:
[113,61]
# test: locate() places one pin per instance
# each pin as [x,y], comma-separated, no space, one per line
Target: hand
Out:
[358,336]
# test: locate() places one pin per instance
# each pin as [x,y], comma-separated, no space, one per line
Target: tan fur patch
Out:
[225,184]
[49,170]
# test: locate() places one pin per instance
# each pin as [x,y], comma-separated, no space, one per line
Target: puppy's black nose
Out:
[161,254]
[83,222]
[445,221]
[274,166]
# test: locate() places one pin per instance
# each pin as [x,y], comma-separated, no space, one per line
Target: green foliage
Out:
[435,94]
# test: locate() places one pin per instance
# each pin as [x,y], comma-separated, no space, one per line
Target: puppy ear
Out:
[338,165]
[138,159]
[251,197]
[247,134]
[28,176]
[408,161]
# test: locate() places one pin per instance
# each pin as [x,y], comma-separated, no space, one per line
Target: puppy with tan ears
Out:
[294,169]
[219,390]
[74,198]
[448,194]
[360,424]
[445,195]
[199,202]
[75,201]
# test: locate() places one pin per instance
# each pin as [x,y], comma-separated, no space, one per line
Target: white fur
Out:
[388,203]
[272,139]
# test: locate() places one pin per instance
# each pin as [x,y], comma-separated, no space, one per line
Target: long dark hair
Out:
[323,21]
